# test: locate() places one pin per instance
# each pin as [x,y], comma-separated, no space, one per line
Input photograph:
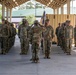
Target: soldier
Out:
[23,35]
[5,35]
[1,41]
[13,31]
[62,36]
[68,36]
[36,32]
[75,35]
[57,34]
[48,36]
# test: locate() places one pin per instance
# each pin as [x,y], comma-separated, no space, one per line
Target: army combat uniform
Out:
[69,36]
[22,34]
[75,36]
[5,36]
[36,32]
[57,34]
[48,35]
[62,37]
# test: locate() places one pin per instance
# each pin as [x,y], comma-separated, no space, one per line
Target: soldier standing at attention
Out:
[5,36]
[36,32]
[75,35]
[57,34]
[69,33]
[48,36]
[22,34]
[62,36]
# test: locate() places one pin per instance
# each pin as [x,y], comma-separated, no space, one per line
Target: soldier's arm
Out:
[73,32]
[15,31]
[52,32]
[56,32]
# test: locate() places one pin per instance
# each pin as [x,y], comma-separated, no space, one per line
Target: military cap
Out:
[36,22]
[24,20]
[67,21]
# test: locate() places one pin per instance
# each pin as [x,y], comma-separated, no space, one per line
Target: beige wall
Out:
[55,19]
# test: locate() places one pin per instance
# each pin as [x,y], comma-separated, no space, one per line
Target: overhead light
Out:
[16,3]
[14,0]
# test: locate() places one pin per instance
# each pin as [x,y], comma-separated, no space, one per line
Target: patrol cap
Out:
[36,22]
[68,21]
[24,20]
[47,20]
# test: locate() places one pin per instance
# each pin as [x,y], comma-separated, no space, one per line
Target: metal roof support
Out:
[68,6]
[62,10]
[10,14]
[57,10]
[3,10]
[7,10]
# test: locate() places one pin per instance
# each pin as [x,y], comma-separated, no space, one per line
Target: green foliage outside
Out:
[30,19]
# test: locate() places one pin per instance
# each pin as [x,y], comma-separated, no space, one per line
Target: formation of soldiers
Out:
[38,36]
[34,34]
[7,36]
[65,34]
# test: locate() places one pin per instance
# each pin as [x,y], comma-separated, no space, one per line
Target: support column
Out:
[62,10]
[3,10]
[57,10]
[10,14]
[7,14]
[54,11]
[68,6]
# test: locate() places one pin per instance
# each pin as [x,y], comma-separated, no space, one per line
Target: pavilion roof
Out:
[50,3]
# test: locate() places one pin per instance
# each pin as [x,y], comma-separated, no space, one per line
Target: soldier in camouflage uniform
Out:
[69,33]
[23,35]
[57,34]
[5,36]
[36,32]
[62,36]
[13,31]
[48,36]
[75,35]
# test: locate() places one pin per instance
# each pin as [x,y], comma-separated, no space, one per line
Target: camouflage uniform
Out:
[22,33]
[5,35]
[0,34]
[69,36]
[75,36]
[57,34]
[36,32]
[48,35]
[62,36]
[13,33]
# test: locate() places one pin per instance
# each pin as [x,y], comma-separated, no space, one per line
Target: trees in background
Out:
[31,5]
[30,19]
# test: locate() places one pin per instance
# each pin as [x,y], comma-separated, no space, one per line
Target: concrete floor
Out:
[59,64]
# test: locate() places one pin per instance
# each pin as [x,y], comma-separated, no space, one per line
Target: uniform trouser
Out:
[63,45]
[47,47]
[24,45]
[4,44]
[58,41]
[68,45]
[35,51]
